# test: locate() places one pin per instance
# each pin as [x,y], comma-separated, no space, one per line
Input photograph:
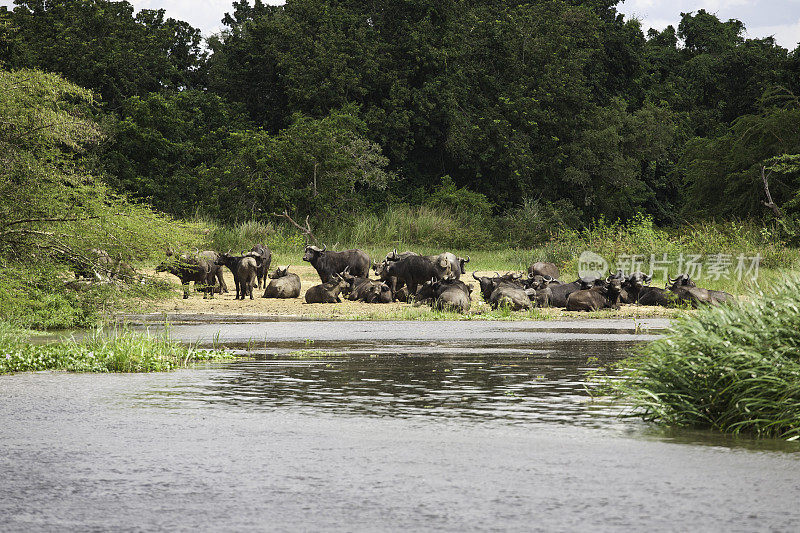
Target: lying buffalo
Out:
[244,269]
[367,290]
[414,270]
[560,293]
[328,263]
[283,284]
[604,294]
[191,267]
[328,292]
[446,295]
[685,289]
[541,268]
[507,290]
[632,287]
[266,259]
[391,281]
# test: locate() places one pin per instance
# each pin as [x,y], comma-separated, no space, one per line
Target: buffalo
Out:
[328,292]
[415,270]
[244,269]
[328,263]
[685,289]
[632,287]
[367,290]
[283,285]
[504,290]
[189,267]
[559,293]
[447,295]
[541,268]
[604,293]
[266,259]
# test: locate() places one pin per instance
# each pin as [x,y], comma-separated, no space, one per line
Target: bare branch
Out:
[27,220]
[769,203]
[305,230]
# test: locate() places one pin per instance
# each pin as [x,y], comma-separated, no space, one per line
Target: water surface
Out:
[369,426]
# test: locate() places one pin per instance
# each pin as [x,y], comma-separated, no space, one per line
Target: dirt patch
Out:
[226,304]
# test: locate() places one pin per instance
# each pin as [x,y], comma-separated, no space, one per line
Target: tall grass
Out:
[732,368]
[101,351]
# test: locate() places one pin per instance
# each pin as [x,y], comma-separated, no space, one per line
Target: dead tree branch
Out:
[304,230]
[769,203]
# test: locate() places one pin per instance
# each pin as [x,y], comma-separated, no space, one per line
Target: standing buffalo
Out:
[541,268]
[266,259]
[189,267]
[244,269]
[328,263]
[415,270]
[216,270]
[457,264]
[283,284]
[328,292]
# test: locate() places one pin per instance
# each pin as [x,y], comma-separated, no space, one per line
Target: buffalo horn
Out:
[474,276]
[466,260]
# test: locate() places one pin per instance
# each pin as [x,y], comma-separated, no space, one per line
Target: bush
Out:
[732,368]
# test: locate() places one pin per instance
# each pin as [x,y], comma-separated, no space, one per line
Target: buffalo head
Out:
[312,252]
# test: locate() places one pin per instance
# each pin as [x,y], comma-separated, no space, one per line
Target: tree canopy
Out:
[326,106]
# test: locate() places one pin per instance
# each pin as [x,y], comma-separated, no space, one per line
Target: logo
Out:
[591,265]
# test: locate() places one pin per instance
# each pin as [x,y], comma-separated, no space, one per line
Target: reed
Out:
[734,368]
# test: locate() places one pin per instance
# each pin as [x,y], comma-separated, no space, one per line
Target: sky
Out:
[780,18]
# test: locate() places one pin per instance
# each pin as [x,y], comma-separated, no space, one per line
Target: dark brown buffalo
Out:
[244,269]
[190,267]
[446,295]
[328,263]
[541,268]
[603,294]
[632,287]
[283,284]
[266,260]
[414,270]
[327,293]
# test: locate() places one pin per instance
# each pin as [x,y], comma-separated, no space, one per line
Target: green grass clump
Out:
[734,368]
[117,351]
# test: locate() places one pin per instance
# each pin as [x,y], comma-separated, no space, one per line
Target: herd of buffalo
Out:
[435,280]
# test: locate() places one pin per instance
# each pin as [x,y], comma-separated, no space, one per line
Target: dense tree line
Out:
[329,107]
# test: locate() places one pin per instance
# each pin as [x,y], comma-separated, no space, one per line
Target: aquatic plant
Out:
[101,351]
[734,368]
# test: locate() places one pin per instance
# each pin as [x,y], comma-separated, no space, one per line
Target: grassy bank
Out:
[731,368]
[100,351]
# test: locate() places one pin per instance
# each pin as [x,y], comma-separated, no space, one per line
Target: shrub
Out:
[734,368]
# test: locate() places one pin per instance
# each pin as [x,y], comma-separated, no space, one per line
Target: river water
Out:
[372,426]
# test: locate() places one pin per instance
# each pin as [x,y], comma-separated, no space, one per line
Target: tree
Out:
[314,167]
[101,45]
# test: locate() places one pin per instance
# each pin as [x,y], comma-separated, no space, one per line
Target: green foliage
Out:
[100,351]
[314,167]
[101,45]
[162,144]
[733,368]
